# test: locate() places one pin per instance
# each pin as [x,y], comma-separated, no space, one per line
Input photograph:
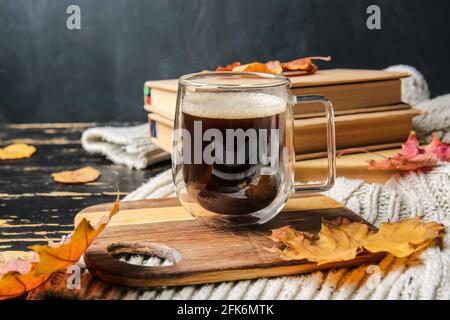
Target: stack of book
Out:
[369,112]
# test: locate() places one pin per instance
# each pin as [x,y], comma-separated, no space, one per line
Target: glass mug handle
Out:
[331,145]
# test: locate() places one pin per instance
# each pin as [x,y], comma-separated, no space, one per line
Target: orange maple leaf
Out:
[254,67]
[21,275]
[303,64]
[297,66]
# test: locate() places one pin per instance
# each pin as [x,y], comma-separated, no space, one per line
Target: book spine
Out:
[153,131]
[147,95]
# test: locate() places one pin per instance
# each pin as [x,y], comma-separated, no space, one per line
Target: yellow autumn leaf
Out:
[342,240]
[403,238]
[83,175]
[24,275]
[17,151]
[335,242]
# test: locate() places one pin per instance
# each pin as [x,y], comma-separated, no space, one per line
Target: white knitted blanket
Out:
[426,276]
[128,146]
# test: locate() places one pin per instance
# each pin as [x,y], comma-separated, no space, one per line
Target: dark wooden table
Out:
[34,208]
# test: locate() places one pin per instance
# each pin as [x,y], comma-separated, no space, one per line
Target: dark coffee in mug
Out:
[232,144]
[233,150]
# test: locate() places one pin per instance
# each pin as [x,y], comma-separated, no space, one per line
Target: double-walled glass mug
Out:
[233,150]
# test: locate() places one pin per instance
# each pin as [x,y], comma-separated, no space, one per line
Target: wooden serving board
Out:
[202,254]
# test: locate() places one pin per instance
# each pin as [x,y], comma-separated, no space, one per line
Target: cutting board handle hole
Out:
[147,254]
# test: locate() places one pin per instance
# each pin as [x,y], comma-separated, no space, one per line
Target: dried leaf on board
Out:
[335,242]
[83,175]
[342,240]
[413,157]
[17,151]
[21,274]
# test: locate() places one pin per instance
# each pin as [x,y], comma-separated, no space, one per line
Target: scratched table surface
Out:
[34,208]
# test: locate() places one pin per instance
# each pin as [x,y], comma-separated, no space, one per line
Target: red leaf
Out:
[413,157]
[411,147]
[441,149]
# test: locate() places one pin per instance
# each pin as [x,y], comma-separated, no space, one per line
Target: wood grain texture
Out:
[206,254]
[33,207]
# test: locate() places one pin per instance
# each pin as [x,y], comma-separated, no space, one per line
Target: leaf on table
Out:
[21,274]
[303,64]
[83,175]
[17,151]
[342,240]
[413,157]
[229,67]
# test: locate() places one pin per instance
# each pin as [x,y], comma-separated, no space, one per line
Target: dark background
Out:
[49,73]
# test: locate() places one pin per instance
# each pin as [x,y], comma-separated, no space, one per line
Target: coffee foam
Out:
[233,105]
